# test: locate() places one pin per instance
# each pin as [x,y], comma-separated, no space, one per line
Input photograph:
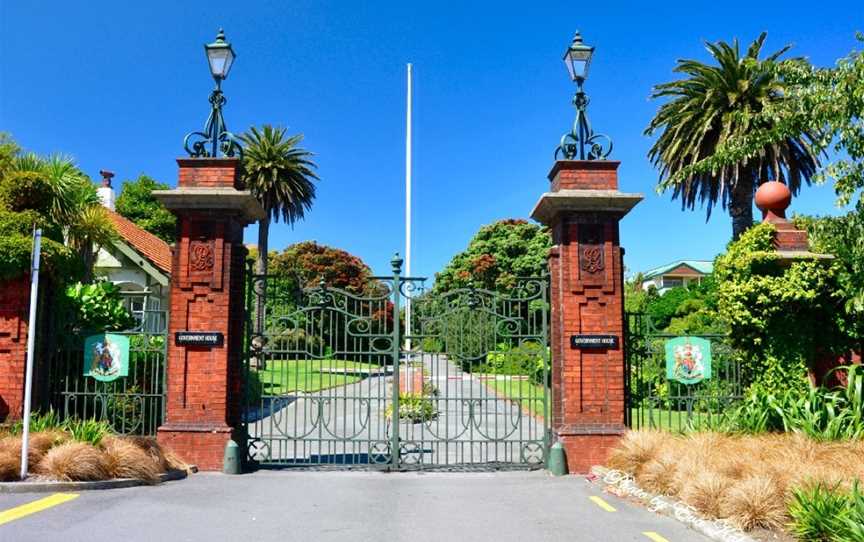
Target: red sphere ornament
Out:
[773,198]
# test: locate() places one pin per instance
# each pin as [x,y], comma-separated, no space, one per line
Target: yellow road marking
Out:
[36,506]
[602,504]
[654,536]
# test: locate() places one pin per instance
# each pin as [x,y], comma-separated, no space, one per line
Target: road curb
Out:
[718,530]
[51,487]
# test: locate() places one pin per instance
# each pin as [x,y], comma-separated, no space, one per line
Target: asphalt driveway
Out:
[330,506]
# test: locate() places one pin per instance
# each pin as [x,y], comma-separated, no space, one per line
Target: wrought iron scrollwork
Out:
[215,138]
[581,143]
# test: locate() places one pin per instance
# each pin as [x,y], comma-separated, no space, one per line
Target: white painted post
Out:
[408,212]
[31,343]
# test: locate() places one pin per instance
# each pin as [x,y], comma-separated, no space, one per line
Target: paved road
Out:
[348,424]
[308,506]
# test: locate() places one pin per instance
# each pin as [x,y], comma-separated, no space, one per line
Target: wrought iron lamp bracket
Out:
[215,138]
[581,143]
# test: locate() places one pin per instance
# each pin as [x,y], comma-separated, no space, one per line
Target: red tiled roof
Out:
[154,249]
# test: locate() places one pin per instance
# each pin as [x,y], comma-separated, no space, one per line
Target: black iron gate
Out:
[335,377]
[656,401]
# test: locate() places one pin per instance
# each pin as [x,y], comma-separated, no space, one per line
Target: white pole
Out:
[31,342]
[408,210]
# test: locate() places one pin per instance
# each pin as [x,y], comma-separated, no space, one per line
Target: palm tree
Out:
[710,110]
[71,203]
[280,175]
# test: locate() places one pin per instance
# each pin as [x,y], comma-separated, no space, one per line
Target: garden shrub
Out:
[414,408]
[525,359]
[781,316]
[98,306]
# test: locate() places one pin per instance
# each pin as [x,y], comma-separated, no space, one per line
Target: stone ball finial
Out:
[773,198]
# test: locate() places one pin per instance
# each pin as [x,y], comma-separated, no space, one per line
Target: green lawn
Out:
[658,418]
[529,393]
[288,376]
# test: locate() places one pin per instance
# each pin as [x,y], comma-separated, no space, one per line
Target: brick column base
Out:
[585,451]
[14,305]
[202,446]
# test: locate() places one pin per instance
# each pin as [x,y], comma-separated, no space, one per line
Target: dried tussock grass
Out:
[746,479]
[10,452]
[124,459]
[75,461]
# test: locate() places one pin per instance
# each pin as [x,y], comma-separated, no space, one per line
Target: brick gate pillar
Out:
[207,308]
[582,210]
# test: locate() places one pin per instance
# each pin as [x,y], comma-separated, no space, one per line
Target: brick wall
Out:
[14,305]
[209,173]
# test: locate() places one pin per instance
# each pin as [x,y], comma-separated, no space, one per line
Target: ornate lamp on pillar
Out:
[207,287]
[582,209]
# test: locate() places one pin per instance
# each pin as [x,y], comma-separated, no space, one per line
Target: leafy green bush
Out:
[781,317]
[98,306]
[821,513]
[526,359]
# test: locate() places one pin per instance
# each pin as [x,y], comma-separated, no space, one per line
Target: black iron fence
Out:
[678,382]
[132,404]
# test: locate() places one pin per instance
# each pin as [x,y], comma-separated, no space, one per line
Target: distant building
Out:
[675,274]
[138,262]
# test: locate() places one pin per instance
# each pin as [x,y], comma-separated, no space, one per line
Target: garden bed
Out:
[774,485]
[83,451]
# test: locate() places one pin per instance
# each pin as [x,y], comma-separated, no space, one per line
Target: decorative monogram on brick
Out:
[201,256]
[591,252]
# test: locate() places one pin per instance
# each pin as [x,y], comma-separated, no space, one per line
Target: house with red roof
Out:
[138,262]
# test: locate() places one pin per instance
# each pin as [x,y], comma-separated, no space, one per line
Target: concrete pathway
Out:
[307,506]
[348,424]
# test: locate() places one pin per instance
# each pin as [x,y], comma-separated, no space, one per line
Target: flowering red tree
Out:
[309,263]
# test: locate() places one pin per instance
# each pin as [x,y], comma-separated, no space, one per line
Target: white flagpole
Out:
[408,209]
[31,343]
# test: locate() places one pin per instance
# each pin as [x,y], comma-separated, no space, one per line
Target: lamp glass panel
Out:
[220,61]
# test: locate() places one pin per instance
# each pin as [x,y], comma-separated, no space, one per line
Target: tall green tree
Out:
[713,105]
[281,176]
[497,256]
[136,202]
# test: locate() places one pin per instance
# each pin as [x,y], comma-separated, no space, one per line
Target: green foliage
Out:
[822,513]
[526,359]
[827,102]
[843,237]
[136,202]
[497,255]
[26,190]
[817,412]
[98,306]
[89,430]
[781,317]
[414,408]
[712,106]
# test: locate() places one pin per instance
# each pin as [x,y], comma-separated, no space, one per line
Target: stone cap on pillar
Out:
[211,184]
[791,243]
[586,186]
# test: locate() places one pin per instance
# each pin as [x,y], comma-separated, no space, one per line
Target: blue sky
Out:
[118,84]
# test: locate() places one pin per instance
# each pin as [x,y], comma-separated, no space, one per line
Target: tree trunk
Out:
[741,206]
[261,291]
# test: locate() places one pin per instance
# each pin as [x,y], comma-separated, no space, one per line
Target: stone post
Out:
[582,210]
[207,308]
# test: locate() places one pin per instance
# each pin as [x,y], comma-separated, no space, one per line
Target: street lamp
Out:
[215,137]
[581,143]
